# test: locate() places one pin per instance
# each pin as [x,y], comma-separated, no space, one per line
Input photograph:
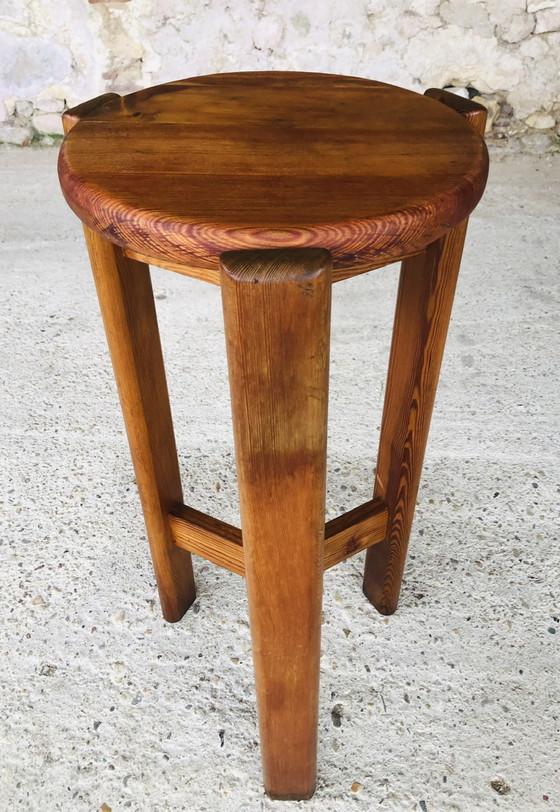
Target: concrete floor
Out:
[451,704]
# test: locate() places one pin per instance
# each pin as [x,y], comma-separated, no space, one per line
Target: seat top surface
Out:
[187,170]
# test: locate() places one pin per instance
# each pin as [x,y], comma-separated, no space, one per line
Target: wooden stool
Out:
[275,185]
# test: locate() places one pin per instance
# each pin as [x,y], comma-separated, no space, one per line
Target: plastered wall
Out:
[506,52]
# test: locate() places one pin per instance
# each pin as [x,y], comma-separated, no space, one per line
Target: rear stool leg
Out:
[424,301]
[277,321]
[125,296]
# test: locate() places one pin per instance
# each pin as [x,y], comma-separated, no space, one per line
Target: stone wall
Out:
[504,52]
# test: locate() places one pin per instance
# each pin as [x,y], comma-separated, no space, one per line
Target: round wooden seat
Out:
[179,173]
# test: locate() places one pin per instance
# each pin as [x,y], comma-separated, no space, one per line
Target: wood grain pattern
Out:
[334,176]
[206,273]
[125,296]
[126,300]
[473,112]
[210,538]
[71,117]
[212,275]
[222,543]
[355,531]
[424,302]
[185,171]
[277,319]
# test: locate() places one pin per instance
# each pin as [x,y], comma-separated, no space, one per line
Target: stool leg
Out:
[424,301]
[125,296]
[277,323]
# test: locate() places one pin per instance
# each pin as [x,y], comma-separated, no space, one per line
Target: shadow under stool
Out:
[274,185]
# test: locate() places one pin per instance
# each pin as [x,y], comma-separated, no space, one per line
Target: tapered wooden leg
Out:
[277,321]
[125,296]
[424,301]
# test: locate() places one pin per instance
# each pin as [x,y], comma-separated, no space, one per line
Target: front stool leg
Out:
[125,296]
[277,324]
[424,301]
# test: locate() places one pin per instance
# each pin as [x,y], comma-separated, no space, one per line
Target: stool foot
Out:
[424,301]
[277,322]
[125,296]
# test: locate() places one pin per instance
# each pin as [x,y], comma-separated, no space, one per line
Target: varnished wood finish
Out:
[124,290]
[277,321]
[304,164]
[187,170]
[424,302]
[222,543]
[125,296]
[71,117]
[473,112]
[355,531]
[210,538]
[212,275]
[202,272]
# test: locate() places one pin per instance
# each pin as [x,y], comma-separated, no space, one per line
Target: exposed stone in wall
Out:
[48,60]
[504,52]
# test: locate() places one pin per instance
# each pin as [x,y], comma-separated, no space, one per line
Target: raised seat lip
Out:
[182,238]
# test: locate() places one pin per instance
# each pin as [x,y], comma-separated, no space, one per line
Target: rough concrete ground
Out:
[451,704]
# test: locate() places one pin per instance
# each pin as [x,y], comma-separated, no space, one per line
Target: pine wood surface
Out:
[212,275]
[126,300]
[424,302]
[208,537]
[124,290]
[222,543]
[185,171]
[181,174]
[355,531]
[277,324]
